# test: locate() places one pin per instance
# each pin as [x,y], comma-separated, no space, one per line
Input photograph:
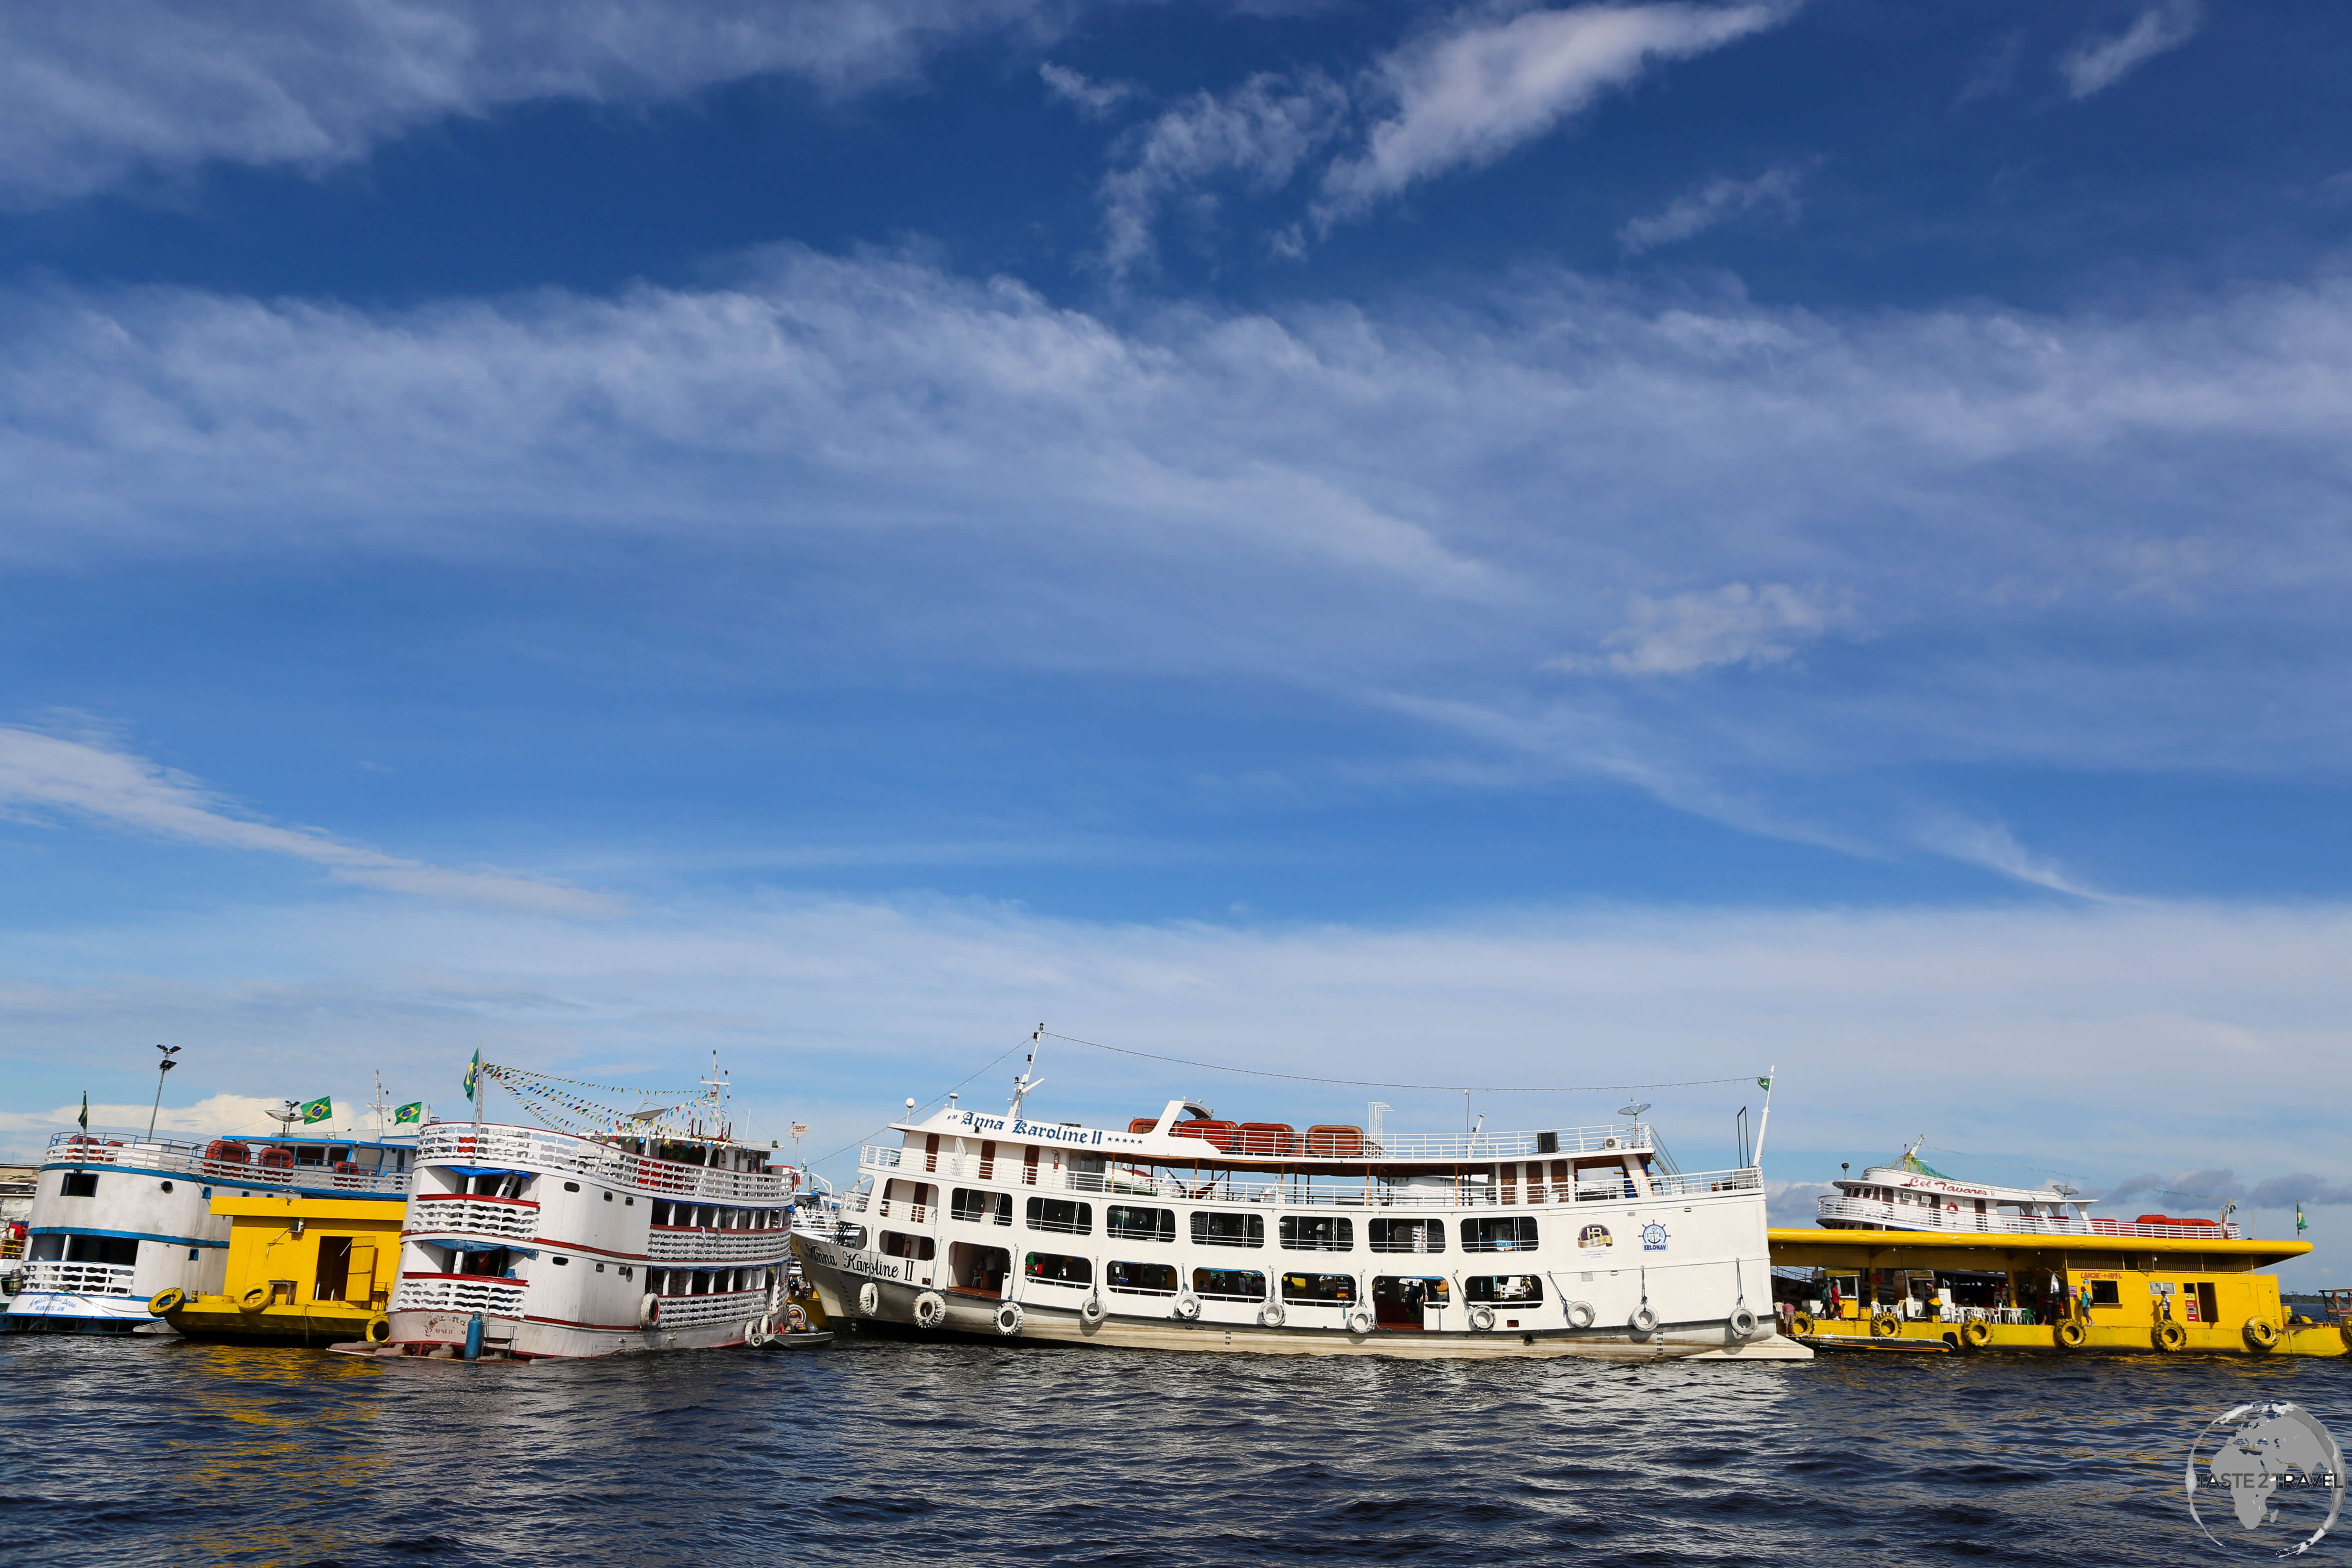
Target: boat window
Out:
[1228,1284]
[1228,1230]
[1407,1235]
[45,1248]
[112,1249]
[1317,1233]
[1515,1290]
[1319,1286]
[1061,1215]
[2104,1293]
[898,1244]
[1053,1269]
[1139,1225]
[969,1204]
[1141,1279]
[571,1186]
[79,1185]
[1412,1289]
[1515,1232]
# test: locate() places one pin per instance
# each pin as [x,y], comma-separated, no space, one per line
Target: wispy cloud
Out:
[1092,98]
[1472,89]
[1993,847]
[46,776]
[1718,202]
[2099,62]
[1260,133]
[215,1115]
[90,93]
[1686,633]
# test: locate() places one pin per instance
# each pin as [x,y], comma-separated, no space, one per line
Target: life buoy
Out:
[253,1300]
[2262,1333]
[1270,1315]
[1091,1310]
[164,1302]
[1885,1326]
[1008,1318]
[378,1330]
[1188,1306]
[1581,1315]
[869,1299]
[2170,1336]
[1802,1325]
[1742,1322]
[1644,1321]
[931,1309]
[649,1311]
[1482,1319]
[1360,1322]
[1976,1333]
[754,1334]
[2073,1335]
[795,1319]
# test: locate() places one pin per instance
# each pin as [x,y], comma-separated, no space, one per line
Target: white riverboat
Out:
[117,1221]
[1185,1232]
[1909,1195]
[523,1243]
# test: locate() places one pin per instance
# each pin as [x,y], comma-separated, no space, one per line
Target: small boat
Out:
[1187,1231]
[119,1223]
[1905,1255]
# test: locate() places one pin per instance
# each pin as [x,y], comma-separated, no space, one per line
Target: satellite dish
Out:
[1635,1109]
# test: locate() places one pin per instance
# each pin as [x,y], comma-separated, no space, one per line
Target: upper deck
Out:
[326,1167]
[727,1173]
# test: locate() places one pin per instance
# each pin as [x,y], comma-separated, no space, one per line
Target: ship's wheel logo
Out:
[1653,1239]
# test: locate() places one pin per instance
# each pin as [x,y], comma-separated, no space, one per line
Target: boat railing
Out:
[690,1245]
[1478,1149]
[222,1159]
[459,1293]
[1922,1217]
[685,1311]
[78,1278]
[466,1214]
[1319,1192]
[531,1148]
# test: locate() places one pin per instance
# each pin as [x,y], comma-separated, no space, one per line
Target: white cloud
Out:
[1468,93]
[2098,63]
[1992,846]
[1684,633]
[211,1117]
[1718,202]
[1093,99]
[44,775]
[94,92]
[1261,132]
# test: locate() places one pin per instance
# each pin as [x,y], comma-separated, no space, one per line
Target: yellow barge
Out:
[1908,1259]
[300,1270]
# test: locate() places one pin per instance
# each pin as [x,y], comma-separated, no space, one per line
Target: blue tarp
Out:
[469,1245]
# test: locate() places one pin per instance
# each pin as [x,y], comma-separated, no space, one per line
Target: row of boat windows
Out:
[715,1217]
[1294,1233]
[708,1282]
[1131,1279]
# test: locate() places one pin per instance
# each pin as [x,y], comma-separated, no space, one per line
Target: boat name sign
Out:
[1088,1136]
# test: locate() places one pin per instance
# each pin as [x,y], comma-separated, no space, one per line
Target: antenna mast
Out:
[1026,1081]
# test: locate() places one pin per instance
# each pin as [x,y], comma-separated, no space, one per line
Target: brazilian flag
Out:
[473,1071]
[413,1112]
[320,1109]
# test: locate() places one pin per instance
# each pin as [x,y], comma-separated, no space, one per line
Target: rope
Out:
[1374,1083]
[861,1137]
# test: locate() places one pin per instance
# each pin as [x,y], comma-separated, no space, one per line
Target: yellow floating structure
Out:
[300,1270]
[1908,1259]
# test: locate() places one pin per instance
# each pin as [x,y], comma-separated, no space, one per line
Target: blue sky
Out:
[1510,544]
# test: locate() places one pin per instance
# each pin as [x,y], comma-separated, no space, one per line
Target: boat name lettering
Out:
[980,1123]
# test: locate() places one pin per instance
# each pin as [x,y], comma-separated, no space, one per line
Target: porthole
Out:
[571,1186]
[167,1187]
[608,1197]
[561,1262]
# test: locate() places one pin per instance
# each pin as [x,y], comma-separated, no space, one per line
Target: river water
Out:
[156,1450]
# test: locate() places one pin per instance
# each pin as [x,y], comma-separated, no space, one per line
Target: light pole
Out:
[163,1067]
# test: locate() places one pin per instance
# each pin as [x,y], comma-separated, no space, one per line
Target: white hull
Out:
[842,1276]
[424,1333]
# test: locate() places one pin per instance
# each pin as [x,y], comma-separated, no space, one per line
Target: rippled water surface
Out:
[155,1450]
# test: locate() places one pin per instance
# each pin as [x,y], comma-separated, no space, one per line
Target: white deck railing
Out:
[461,1214]
[186,1159]
[78,1278]
[460,1293]
[667,1246]
[688,1312]
[1480,1149]
[1300,1191]
[531,1149]
[1922,1216]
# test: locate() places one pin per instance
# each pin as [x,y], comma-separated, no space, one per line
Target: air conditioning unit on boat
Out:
[1612,1143]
